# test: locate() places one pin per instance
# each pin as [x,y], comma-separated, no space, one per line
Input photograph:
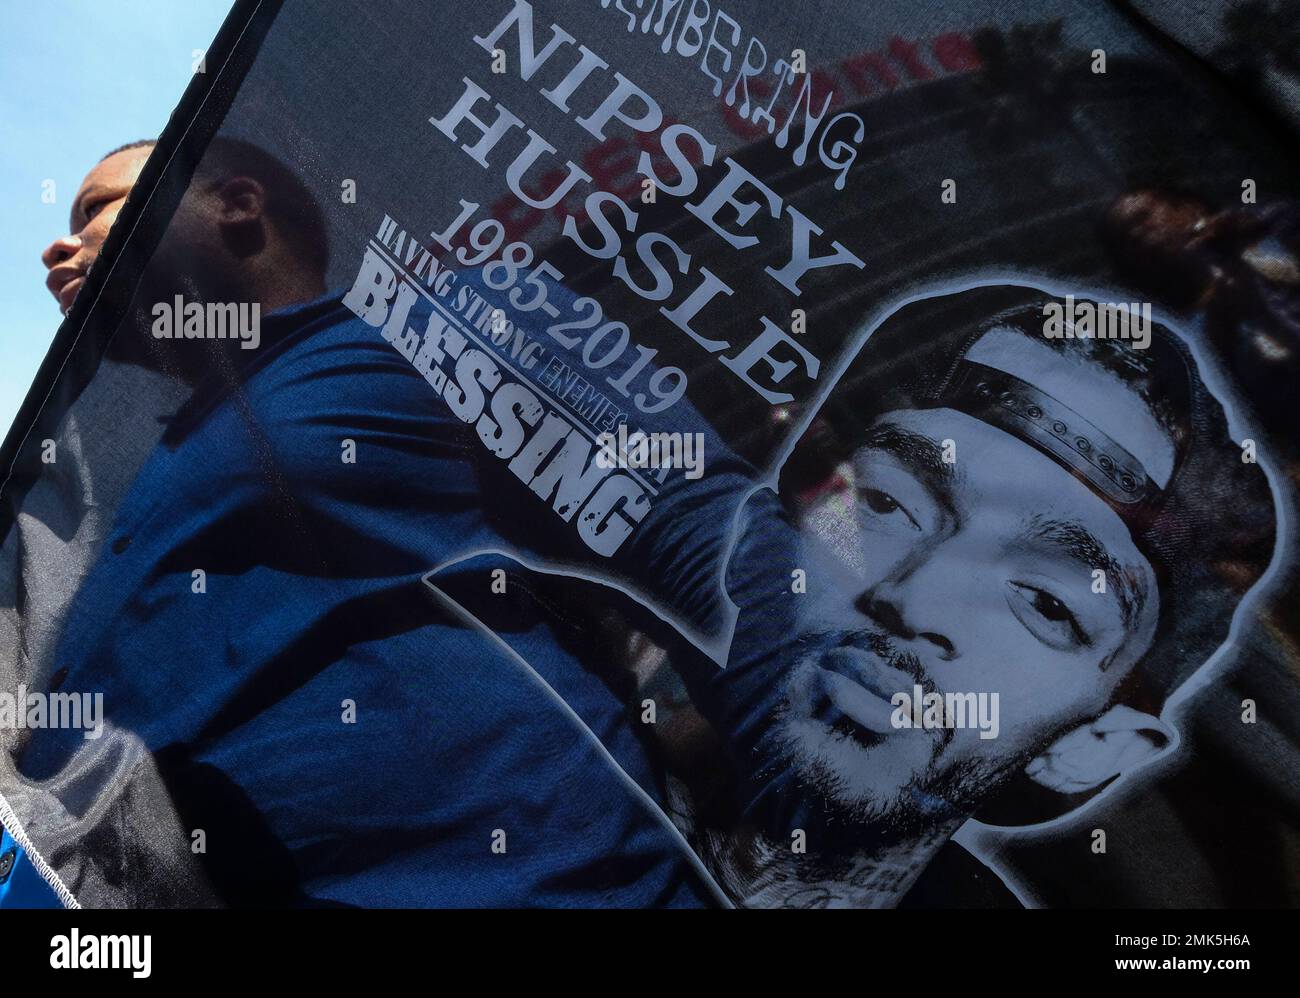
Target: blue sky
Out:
[77,78]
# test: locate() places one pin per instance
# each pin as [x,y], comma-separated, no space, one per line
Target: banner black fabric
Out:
[653,453]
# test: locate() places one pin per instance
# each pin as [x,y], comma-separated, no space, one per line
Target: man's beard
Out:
[781,785]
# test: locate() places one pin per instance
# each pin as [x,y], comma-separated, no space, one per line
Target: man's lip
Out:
[69,291]
[861,687]
[867,670]
[851,700]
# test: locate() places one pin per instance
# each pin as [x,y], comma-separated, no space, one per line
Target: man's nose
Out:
[63,248]
[906,614]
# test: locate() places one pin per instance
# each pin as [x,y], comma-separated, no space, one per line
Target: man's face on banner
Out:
[968,575]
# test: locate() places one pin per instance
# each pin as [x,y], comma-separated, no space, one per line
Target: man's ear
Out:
[242,199]
[1095,753]
[241,215]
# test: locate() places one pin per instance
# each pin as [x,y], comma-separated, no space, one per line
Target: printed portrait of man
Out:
[1039,538]
[1062,527]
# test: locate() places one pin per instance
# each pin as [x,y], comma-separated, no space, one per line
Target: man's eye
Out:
[1051,607]
[880,502]
[883,504]
[92,209]
[1059,621]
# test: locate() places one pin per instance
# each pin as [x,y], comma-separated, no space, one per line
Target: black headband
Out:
[1030,414]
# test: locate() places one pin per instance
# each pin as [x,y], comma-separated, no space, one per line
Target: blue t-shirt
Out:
[20,885]
[338,734]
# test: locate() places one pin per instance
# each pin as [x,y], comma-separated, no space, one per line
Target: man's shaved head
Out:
[95,207]
[284,202]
